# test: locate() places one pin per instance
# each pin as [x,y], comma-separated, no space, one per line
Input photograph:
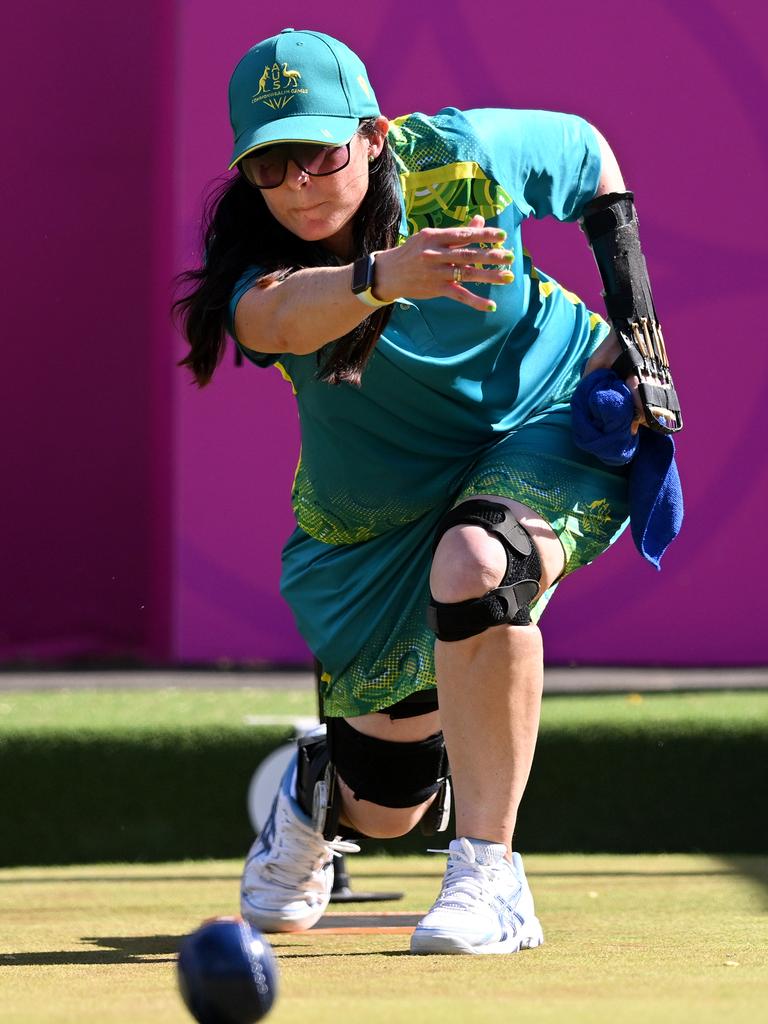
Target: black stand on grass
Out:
[342,891]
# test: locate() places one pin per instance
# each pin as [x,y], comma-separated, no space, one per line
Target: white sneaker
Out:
[484,906]
[288,873]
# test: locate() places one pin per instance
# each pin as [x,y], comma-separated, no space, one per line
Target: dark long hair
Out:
[239,231]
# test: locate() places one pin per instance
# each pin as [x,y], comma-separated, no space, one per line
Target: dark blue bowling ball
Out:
[227,972]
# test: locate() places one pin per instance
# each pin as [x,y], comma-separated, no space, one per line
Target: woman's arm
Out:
[301,313]
[659,400]
[314,306]
[608,351]
[611,179]
[311,307]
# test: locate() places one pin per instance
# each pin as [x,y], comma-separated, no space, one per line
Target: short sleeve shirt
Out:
[445,382]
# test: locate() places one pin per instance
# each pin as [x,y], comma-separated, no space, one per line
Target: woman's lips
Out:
[309,209]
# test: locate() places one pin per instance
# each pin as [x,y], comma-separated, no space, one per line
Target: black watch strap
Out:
[363,273]
[364,281]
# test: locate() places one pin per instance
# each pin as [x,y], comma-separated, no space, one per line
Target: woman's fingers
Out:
[474,266]
[481,257]
[467,298]
[457,237]
[461,294]
[442,261]
[465,260]
[639,419]
[480,275]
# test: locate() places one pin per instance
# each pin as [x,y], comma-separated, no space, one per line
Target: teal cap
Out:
[298,87]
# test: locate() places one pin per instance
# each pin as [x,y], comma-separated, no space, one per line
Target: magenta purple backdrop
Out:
[88,250]
[145,517]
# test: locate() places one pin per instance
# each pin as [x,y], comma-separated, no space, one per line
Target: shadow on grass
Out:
[53,880]
[753,868]
[324,956]
[736,870]
[714,873]
[374,876]
[136,948]
[122,949]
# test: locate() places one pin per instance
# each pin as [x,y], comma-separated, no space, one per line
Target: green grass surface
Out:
[89,776]
[87,711]
[633,940]
[658,712]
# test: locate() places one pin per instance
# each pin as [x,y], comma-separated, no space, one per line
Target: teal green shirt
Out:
[445,381]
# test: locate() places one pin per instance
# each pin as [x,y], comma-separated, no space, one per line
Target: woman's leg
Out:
[288,874]
[371,819]
[490,685]
[489,689]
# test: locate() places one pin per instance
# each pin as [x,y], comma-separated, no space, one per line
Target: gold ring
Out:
[457,275]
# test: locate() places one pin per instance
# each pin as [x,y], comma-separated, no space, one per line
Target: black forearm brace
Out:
[610,224]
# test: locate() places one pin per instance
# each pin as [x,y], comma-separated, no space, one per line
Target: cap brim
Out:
[325,131]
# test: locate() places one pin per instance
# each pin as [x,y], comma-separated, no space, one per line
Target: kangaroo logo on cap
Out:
[278,85]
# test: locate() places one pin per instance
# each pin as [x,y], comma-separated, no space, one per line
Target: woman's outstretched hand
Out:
[424,267]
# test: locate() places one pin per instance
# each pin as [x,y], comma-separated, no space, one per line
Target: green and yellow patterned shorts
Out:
[362,607]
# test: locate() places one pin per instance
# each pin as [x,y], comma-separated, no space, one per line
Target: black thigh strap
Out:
[384,772]
[420,702]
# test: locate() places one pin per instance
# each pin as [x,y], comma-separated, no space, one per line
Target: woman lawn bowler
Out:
[439,496]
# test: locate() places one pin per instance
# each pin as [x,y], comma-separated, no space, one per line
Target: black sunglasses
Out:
[267,168]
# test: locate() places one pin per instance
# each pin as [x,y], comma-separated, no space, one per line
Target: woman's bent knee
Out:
[383,762]
[468,563]
[377,821]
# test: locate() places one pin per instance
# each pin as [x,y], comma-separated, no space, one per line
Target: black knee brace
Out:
[510,602]
[386,773]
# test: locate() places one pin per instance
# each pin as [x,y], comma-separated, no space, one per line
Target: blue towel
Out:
[602,411]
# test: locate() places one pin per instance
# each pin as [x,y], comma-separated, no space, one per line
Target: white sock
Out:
[487,853]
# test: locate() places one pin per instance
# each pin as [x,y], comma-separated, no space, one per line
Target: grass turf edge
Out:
[640,778]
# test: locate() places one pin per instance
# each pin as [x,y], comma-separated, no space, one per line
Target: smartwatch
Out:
[364,280]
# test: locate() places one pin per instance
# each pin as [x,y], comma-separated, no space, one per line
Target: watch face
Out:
[362,274]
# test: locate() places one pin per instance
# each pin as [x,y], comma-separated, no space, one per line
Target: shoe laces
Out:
[465,880]
[298,852]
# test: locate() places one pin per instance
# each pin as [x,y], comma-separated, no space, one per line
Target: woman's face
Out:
[321,209]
